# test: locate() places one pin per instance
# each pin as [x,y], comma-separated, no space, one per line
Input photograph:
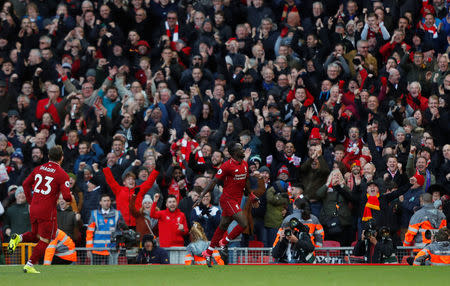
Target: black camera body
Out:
[295,227]
[125,238]
[356,61]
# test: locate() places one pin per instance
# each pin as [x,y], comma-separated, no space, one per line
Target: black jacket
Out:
[299,250]
[382,250]
[156,256]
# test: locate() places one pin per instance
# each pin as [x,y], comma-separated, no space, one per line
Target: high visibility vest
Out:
[438,253]
[426,219]
[190,259]
[315,231]
[98,233]
[62,246]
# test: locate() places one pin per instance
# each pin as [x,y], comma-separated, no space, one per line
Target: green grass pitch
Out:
[241,275]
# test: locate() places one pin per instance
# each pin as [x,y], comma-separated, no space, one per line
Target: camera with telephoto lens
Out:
[385,233]
[295,227]
[124,237]
[371,230]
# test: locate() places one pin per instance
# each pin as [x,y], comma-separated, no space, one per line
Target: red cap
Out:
[283,170]
[316,119]
[420,179]
[143,43]
[315,134]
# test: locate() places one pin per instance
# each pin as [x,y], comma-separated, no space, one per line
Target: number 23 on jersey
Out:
[46,188]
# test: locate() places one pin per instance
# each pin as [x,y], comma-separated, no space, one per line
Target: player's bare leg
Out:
[241,219]
[223,225]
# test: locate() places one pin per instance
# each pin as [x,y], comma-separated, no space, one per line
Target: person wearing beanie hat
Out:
[283,173]
[315,135]
[144,223]
[399,130]
[17,216]
[411,199]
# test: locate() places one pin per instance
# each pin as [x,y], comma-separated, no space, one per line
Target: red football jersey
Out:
[47,182]
[234,176]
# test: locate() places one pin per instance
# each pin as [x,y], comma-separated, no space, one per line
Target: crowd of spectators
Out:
[344,104]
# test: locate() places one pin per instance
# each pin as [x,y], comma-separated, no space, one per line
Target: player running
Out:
[234,175]
[47,181]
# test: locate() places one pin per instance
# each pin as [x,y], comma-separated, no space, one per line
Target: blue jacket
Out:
[90,158]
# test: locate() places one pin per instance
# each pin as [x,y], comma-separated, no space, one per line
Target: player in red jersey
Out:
[47,182]
[234,175]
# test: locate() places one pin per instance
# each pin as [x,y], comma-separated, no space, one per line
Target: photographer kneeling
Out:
[375,247]
[151,253]
[294,245]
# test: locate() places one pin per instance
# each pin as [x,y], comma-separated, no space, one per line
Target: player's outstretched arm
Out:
[208,188]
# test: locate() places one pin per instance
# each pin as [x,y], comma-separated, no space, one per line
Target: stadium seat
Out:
[255,243]
[329,243]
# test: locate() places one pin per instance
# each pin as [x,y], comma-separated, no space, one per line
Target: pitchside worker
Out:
[47,181]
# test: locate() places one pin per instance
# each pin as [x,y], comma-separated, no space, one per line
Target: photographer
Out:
[374,246]
[294,245]
[437,252]
[151,253]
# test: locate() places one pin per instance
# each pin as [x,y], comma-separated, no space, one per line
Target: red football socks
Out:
[218,234]
[38,252]
[237,230]
[29,237]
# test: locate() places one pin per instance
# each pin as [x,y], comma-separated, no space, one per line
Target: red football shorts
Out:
[229,207]
[44,228]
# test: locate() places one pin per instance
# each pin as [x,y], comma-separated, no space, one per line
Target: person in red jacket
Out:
[414,98]
[171,222]
[124,193]
[49,104]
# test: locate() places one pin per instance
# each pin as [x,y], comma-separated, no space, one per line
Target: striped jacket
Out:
[101,226]
[428,218]
[438,253]
[62,246]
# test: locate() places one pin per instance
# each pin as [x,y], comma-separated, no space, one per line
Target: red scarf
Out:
[432,30]
[286,9]
[372,204]
[174,39]
[185,146]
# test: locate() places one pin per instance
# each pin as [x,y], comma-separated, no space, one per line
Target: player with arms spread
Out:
[234,175]
[47,182]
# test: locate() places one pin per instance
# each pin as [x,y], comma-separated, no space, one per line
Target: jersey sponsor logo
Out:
[67,184]
[238,177]
[219,172]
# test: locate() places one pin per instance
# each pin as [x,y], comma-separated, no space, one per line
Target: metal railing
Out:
[237,255]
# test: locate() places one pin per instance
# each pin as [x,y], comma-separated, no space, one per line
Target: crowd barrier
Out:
[237,255]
